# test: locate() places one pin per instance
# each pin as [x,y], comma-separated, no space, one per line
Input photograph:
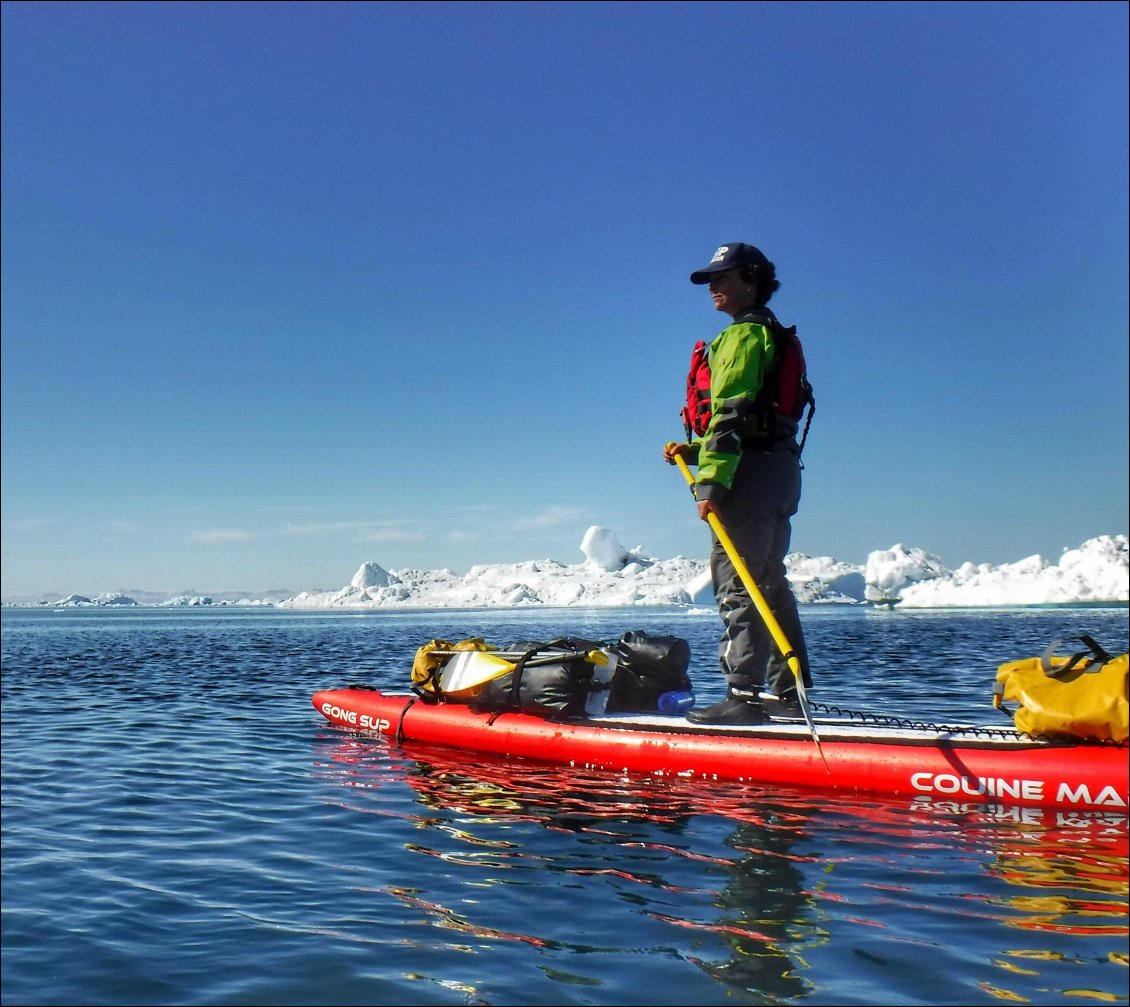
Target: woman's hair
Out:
[766,279]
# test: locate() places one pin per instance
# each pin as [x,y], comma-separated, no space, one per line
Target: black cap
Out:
[732,256]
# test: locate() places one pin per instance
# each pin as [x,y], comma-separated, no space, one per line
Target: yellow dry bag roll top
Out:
[1081,696]
[433,657]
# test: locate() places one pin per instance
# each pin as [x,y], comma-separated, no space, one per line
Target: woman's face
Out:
[731,293]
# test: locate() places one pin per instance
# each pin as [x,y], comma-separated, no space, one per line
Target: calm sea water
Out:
[180,826]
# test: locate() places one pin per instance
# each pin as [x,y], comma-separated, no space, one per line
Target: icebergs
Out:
[614,576]
[1096,572]
[610,575]
[889,572]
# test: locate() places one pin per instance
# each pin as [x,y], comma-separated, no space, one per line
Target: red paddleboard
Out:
[962,763]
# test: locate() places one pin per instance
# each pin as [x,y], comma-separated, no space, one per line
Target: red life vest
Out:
[786,391]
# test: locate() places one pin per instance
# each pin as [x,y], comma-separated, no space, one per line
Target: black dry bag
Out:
[647,667]
[551,680]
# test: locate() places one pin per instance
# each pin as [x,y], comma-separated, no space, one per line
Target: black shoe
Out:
[733,710]
[786,707]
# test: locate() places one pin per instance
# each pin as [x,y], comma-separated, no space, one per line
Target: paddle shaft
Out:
[553,657]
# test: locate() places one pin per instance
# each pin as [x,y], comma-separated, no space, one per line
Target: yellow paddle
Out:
[765,611]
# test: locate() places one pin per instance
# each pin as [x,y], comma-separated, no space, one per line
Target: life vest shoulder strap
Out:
[786,391]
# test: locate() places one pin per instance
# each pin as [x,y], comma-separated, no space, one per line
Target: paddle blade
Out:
[468,671]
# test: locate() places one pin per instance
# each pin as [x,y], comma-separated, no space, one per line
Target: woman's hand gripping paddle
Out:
[763,608]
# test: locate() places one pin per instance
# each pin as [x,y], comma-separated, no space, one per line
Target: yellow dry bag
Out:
[1081,696]
[433,660]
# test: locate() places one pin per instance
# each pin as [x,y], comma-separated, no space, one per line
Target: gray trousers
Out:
[756,514]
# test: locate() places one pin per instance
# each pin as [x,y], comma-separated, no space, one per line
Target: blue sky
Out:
[291,287]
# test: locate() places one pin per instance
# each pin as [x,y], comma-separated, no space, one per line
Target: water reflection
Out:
[757,889]
[753,904]
[1078,887]
[738,901]
[764,910]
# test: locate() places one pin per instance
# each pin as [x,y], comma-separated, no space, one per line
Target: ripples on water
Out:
[180,826]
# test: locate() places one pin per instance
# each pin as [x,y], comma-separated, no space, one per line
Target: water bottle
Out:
[676,704]
[601,683]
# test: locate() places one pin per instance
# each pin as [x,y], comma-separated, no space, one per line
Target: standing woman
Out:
[749,476]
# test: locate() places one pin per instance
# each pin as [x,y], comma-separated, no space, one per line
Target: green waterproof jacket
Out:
[741,356]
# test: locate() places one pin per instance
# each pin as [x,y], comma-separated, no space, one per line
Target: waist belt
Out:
[770,443]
